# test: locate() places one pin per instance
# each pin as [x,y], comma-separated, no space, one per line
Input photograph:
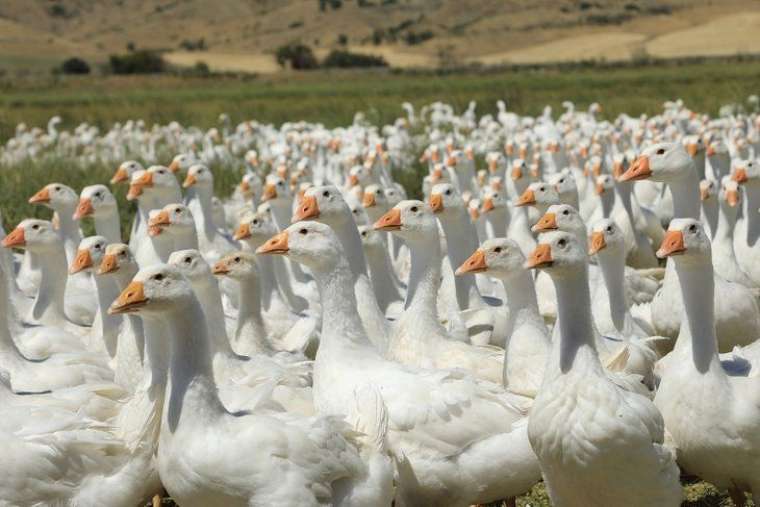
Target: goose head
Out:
[493,199]
[371,239]
[56,196]
[90,254]
[374,197]
[685,241]
[173,218]
[708,188]
[181,162]
[663,162]
[117,257]
[394,195]
[155,179]
[125,171]
[357,210]
[499,257]
[729,196]
[322,203]
[538,193]
[199,176]
[34,235]
[410,220]
[154,291]
[275,188]
[746,172]
[604,185]
[191,264]
[96,201]
[237,266]
[250,184]
[606,238]
[558,253]
[255,228]
[445,199]
[308,242]
[564,184]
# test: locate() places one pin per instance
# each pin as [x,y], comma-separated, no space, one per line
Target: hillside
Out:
[243,34]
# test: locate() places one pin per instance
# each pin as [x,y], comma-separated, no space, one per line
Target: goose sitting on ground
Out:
[326,462]
[582,467]
[528,339]
[419,339]
[457,440]
[713,419]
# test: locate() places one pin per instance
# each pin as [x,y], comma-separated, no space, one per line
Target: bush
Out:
[194,45]
[75,66]
[300,57]
[413,38]
[138,62]
[342,39]
[345,59]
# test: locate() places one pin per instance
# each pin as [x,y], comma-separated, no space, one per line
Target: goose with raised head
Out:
[387,288]
[98,202]
[724,256]
[325,204]
[324,460]
[447,453]
[528,339]
[747,232]
[123,174]
[708,194]
[495,210]
[177,220]
[419,339]
[582,467]
[737,317]
[212,242]
[713,419]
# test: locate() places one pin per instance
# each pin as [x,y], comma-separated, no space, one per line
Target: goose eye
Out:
[158,277]
[448,192]
[609,228]
[98,195]
[692,228]
[255,221]
[35,227]
[237,259]
[57,188]
[661,151]
[178,210]
[325,194]
[562,242]
[161,172]
[303,232]
[562,180]
[414,209]
[364,234]
[497,249]
[566,212]
[541,189]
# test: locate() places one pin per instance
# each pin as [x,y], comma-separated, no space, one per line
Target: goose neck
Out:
[576,330]
[424,277]
[698,328]
[381,275]
[352,244]
[203,208]
[48,306]
[210,297]
[107,225]
[685,192]
[106,325]
[724,231]
[461,241]
[250,325]
[710,216]
[751,205]
[521,293]
[612,265]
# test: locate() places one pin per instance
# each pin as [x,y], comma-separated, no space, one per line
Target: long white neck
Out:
[191,394]
[349,237]
[210,297]
[251,331]
[108,226]
[105,327]
[9,353]
[420,307]
[709,215]
[185,238]
[685,192]
[576,333]
[199,199]
[121,279]
[48,307]
[698,328]
[381,273]
[751,215]
[461,241]
[612,263]
[498,221]
[521,297]
[69,230]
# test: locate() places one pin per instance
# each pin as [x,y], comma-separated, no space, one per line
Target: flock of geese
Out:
[574,301]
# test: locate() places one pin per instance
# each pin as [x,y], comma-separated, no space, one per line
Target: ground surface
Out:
[242,34]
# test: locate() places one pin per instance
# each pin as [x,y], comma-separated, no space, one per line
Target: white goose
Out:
[746,245]
[323,462]
[98,202]
[724,258]
[582,422]
[712,418]
[419,339]
[446,453]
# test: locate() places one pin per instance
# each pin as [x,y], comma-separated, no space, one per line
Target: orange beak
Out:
[599,189]
[368,200]
[540,257]
[15,238]
[161,218]
[436,203]
[82,261]
[691,148]
[119,176]
[242,232]
[710,151]
[527,198]
[740,176]
[137,186]
[130,300]
[220,268]
[307,210]
[245,187]
[190,180]
[270,192]
[548,222]
[476,263]
[277,244]
[154,230]
[597,243]
[353,180]
[109,264]
[174,166]
[487,205]
[436,176]
[391,221]
[474,214]
[516,173]
[672,244]
[41,197]
[704,194]
[84,209]
[639,170]
[732,198]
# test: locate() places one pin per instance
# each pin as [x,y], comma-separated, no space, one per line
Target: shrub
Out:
[413,38]
[138,62]
[75,66]
[342,39]
[300,57]
[194,45]
[345,59]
